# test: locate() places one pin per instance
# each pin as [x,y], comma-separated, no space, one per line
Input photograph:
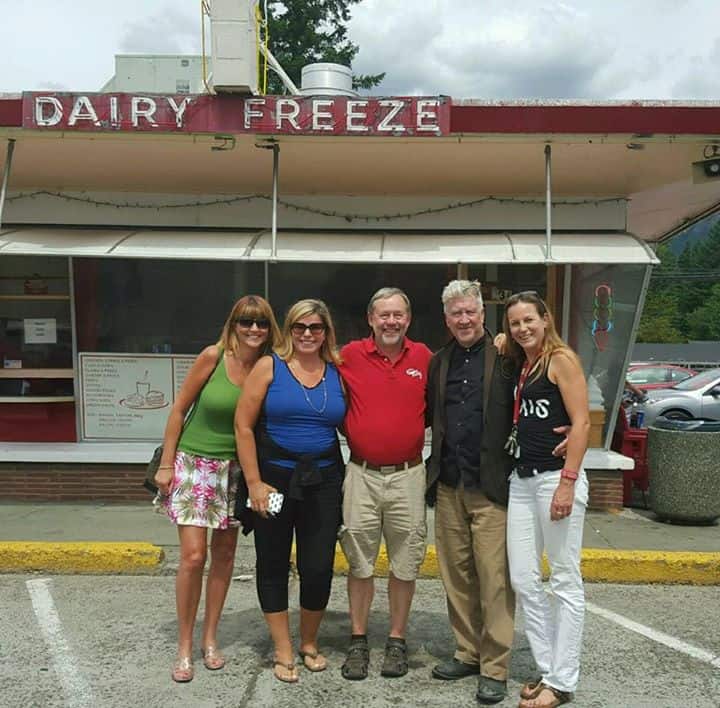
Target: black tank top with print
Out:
[541,410]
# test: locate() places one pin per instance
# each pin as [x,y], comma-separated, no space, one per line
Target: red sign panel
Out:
[303,115]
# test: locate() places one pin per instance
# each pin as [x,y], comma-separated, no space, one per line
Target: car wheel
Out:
[677,414]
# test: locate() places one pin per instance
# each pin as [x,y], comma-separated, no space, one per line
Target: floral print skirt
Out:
[202,493]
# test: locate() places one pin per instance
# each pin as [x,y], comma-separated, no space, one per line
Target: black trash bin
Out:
[684,462]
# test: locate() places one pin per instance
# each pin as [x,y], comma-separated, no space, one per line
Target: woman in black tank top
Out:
[547,496]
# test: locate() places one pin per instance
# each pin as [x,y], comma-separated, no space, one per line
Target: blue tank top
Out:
[300,419]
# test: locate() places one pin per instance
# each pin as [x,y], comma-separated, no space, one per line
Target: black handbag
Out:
[152,466]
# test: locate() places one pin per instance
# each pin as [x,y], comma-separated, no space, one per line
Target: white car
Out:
[696,397]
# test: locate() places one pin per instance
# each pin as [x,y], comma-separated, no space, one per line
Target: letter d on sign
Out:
[41,117]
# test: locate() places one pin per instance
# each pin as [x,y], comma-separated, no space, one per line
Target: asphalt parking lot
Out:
[109,641]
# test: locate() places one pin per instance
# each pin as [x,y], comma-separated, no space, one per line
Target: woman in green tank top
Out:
[198,473]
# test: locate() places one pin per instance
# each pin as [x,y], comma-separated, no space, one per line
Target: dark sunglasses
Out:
[248,322]
[315,328]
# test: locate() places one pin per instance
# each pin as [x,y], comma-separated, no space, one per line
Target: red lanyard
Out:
[527,366]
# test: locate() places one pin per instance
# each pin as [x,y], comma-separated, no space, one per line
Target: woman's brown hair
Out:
[552,341]
[251,307]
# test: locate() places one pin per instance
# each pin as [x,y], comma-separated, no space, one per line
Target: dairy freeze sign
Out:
[303,115]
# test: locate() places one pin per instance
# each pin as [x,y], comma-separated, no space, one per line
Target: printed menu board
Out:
[128,396]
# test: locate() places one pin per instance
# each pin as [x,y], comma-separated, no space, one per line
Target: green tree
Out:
[661,319]
[704,321]
[307,31]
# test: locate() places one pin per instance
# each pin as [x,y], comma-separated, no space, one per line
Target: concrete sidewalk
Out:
[630,546]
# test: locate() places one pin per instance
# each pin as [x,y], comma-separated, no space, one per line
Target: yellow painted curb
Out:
[79,557]
[600,565]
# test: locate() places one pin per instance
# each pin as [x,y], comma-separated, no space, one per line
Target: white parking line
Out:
[77,691]
[660,637]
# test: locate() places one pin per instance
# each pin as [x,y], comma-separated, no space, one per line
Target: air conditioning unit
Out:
[234,51]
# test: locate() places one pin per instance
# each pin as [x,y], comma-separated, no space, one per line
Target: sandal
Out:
[213,658]
[287,673]
[357,661]
[531,688]
[559,698]
[313,660]
[395,663]
[182,669]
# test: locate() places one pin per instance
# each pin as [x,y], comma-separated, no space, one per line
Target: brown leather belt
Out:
[386,468]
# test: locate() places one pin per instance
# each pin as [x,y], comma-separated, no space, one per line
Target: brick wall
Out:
[123,483]
[606,489]
[32,481]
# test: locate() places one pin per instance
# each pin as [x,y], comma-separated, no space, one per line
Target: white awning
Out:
[327,246]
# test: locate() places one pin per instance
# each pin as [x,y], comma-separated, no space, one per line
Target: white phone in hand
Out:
[275,502]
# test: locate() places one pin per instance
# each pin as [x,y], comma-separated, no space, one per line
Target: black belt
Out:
[385,468]
[526,471]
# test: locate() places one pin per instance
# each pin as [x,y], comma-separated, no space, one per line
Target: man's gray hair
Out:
[384,294]
[461,288]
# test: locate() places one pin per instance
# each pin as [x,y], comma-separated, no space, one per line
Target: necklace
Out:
[323,405]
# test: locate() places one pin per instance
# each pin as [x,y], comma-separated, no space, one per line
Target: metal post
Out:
[548,205]
[276,162]
[6,176]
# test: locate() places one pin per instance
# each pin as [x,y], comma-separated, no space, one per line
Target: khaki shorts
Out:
[389,505]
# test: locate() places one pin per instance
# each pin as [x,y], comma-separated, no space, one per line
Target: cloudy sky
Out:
[485,49]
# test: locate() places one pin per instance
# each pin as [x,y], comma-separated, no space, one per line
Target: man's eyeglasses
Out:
[248,322]
[315,328]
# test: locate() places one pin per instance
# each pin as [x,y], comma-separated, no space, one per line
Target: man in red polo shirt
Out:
[384,493]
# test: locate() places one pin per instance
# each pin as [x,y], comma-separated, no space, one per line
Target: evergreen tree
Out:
[307,31]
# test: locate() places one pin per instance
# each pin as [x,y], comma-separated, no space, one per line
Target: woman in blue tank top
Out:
[285,427]
[547,499]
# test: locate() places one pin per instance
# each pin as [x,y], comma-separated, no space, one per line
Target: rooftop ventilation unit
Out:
[234,50]
[326,79]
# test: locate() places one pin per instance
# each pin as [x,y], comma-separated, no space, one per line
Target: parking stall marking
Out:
[76,689]
[656,636]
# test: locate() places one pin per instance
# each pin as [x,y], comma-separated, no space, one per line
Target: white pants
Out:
[554,632]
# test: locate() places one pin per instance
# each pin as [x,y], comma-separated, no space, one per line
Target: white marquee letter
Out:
[83,110]
[248,111]
[317,114]
[290,116]
[353,115]
[40,118]
[179,110]
[147,113]
[423,113]
[385,125]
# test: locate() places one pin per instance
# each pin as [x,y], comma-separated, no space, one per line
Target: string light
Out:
[452,206]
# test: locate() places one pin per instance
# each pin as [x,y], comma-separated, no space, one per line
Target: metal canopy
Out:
[326,246]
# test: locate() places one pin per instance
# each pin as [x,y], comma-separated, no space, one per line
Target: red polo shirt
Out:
[385,421]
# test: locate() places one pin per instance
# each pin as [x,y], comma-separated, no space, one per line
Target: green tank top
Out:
[209,432]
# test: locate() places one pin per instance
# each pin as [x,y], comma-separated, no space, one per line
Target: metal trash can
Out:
[684,462]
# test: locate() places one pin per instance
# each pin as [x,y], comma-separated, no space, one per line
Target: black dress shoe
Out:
[490,690]
[453,669]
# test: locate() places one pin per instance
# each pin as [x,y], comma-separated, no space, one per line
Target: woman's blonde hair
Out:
[251,307]
[552,341]
[304,308]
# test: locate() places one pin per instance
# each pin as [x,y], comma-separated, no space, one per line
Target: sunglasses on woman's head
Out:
[248,322]
[315,328]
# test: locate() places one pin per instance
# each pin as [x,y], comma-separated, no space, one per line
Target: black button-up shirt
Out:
[463,416]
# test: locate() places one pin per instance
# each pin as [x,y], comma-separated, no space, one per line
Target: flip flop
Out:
[183,670]
[313,660]
[287,673]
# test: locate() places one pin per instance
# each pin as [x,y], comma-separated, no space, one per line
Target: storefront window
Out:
[347,288]
[35,330]
[157,306]
[604,304]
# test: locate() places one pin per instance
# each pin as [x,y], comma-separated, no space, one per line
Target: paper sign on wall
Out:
[40,331]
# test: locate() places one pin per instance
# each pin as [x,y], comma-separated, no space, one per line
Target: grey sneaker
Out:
[395,663]
[490,690]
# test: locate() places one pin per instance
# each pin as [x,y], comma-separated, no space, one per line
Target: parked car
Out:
[651,376]
[696,397]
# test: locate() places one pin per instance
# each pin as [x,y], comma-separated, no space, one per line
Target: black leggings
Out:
[315,521]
